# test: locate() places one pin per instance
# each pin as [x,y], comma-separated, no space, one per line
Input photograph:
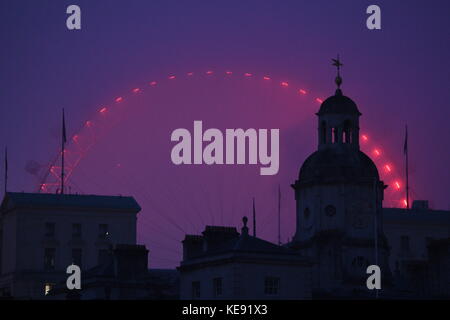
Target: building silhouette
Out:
[42,234]
[339,198]
[123,275]
[223,264]
[419,242]
[341,229]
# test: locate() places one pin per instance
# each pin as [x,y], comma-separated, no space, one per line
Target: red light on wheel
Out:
[397,185]
[88,123]
[388,168]
[247,74]
[405,203]
[136,90]
[364,137]
[171,77]
[119,99]
[209,72]
[190,74]
[302,91]
[319,100]
[228,72]
[103,110]
[284,84]
[75,138]
[153,83]
[377,152]
[266,78]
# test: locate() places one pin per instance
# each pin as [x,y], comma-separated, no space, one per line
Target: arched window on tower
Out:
[323,132]
[347,132]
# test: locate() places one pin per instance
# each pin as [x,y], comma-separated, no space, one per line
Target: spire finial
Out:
[245,228]
[337,63]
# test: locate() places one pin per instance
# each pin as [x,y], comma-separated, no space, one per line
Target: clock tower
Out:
[339,198]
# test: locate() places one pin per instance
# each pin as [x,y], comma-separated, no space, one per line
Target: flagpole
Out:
[376,227]
[6,170]
[254,218]
[406,167]
[279,215]
[63,141]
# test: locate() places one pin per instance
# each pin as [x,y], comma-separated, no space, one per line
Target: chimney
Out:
[215,237]
[192,246]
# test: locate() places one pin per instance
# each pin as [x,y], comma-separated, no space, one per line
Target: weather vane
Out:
[337,63]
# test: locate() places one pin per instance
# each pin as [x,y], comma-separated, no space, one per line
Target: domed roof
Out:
[334,164]
[338,104]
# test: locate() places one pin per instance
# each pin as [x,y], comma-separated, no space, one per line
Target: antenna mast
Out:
[254,218]
[279,215]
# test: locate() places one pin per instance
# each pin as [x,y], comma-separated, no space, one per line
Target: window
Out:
[49,258]
[48,287]
[271,286]
[324,132]
[347,134]
[360,262]
[330,210]
[102,256]
[77,257]
[306,213]
[76,230]
[50,229]
[217,287]
[404,243]
[195,289]
[103,231]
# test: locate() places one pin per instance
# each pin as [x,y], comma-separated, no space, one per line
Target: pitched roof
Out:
[247,243]
[75,201]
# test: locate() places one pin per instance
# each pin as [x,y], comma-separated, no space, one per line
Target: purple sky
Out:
[397,75]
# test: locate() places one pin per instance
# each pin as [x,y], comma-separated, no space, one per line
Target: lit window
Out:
[217,287]
[48,287]
[271,285]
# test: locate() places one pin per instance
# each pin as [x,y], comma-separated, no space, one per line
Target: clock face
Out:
[360,216]
[330,211]
[360,221]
